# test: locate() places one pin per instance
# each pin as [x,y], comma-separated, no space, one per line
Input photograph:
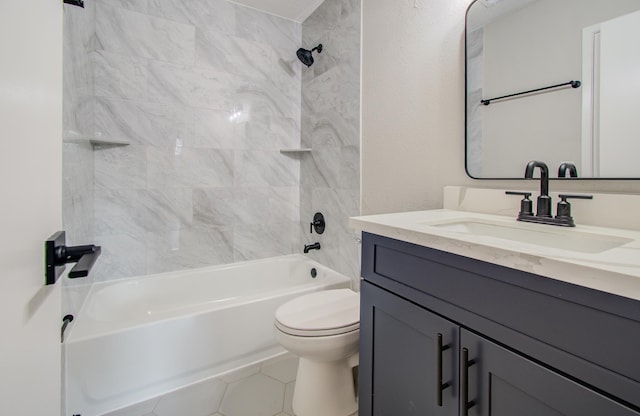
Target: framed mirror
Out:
[556,81]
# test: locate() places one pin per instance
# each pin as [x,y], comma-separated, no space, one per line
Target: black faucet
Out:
[567,167]
[543,216]
[309,247]
[544,200]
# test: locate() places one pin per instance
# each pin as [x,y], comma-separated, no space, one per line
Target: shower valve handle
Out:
[317,224]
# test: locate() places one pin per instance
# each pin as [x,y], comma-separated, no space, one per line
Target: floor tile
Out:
[138,409]
[257,395]
[283,369]
[201,399]
[288,397]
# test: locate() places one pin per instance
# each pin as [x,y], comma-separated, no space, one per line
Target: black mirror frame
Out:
[466,126]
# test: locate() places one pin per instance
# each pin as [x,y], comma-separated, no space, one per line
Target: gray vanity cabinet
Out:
[438,330]
[400,343]
[503,383]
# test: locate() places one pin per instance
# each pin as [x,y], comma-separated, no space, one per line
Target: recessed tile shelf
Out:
[295,151]
[97,141]
[108,142]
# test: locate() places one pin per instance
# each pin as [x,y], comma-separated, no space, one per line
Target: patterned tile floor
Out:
[263,389]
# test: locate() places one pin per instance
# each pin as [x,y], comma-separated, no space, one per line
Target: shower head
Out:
[306,56]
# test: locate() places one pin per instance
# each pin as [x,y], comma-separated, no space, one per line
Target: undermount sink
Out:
[544,236]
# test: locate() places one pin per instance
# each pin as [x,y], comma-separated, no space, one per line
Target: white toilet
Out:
[323,329]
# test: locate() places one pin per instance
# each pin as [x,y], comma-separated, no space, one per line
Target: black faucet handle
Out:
[526,205]
[524,194]
[564,197]
[563,211]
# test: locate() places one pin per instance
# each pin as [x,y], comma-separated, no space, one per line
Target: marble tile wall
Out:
[77,124]
[330,174]
[78,162]
[206,93]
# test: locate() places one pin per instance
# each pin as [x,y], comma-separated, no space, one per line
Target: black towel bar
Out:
[574,84]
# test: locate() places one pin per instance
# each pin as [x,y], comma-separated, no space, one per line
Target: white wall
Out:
[412,102]
[413,108]
[30,167]
[619,92]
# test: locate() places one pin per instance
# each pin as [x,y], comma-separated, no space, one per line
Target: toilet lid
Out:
[328,312]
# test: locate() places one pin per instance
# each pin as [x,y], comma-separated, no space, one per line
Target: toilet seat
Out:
[324,313]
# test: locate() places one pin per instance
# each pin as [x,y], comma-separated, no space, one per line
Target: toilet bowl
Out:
[323,329]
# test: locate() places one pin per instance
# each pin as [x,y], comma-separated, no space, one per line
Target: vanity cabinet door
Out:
[400,358]
[499,382]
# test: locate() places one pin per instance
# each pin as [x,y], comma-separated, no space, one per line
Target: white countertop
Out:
[616,270]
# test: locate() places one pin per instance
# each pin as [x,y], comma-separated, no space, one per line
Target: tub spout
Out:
[309,247]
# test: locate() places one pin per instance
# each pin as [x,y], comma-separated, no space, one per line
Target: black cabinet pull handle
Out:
[464,384]
[439,385]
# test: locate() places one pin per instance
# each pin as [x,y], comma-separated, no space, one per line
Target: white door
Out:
[619,92]
[30,204]
[610,93]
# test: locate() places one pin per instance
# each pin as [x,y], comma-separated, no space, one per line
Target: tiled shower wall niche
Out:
[206,92]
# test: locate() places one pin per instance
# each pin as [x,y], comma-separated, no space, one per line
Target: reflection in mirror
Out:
[533,52]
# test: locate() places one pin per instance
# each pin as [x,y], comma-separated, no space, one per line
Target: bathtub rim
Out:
[72,335]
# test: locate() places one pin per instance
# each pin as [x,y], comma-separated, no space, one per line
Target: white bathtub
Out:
[141,337]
